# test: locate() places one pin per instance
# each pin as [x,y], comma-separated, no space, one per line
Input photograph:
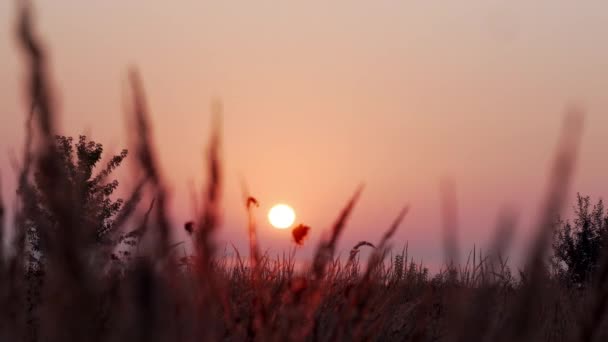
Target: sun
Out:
[281,216]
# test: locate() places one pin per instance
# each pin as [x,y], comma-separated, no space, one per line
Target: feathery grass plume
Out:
[41,114]
[65,245]
[449,215]
[393,228]
[360,297]
[250,204]
[507,221]
[148,161]
[450,224]
[533,291]
[307,301]
[38,88]
[325,250]
[355,250]
[257,320]
[299,234]
[378,253]
[209,214]
[211,293]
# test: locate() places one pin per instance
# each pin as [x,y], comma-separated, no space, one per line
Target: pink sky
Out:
[320,96]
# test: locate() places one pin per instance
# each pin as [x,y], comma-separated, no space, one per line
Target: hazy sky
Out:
[322,95]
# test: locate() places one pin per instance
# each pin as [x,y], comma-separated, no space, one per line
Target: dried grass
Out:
[154,296]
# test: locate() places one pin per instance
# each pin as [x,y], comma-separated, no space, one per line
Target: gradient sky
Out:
[322,95]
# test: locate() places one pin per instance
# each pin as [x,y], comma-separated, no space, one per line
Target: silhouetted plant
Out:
[93,210]
[578,244]
[96,209]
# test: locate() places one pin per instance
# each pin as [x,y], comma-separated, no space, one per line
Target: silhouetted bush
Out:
[578,244]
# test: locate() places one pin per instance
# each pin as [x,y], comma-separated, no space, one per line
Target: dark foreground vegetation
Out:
[84,266]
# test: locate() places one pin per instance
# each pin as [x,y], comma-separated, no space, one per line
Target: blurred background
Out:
[319,97]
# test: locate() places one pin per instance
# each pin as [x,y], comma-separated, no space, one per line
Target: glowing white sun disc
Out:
[281,216]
